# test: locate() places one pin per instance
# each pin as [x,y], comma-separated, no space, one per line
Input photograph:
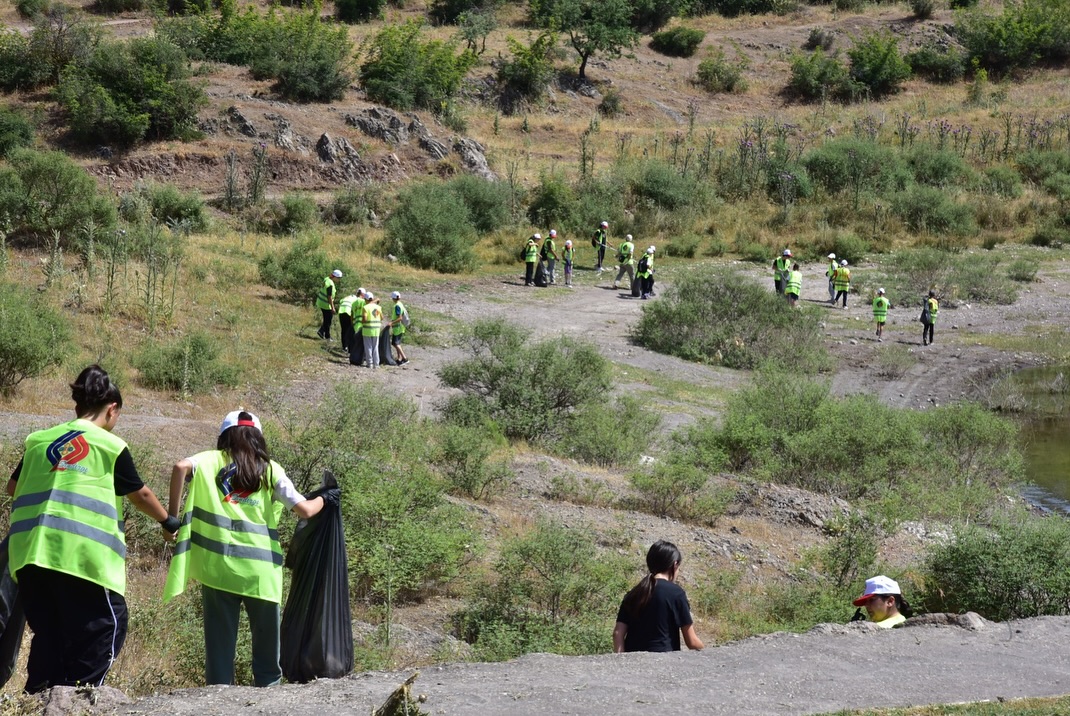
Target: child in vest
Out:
[568,255]
[229,543]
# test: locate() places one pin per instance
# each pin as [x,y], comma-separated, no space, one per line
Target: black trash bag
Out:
[637,287]
[317,636]
[540,275]
[356,348]
[386,354]
[12,619]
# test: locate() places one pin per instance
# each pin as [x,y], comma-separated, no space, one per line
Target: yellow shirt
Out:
[891,621]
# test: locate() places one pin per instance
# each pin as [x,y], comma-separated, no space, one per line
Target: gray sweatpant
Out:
[371,351]
[631,274]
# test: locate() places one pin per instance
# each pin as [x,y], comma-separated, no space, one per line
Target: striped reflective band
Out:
[65,524]
[231,525]
[229,550]
[105,509]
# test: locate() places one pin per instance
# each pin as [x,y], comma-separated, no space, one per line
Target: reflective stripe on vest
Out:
[531,253]
[345,306]
[227,540]
[781,266]
[66,516]
[843,279]
[399,310]
[372,320]
[794,282]
[323,298]
[880,308]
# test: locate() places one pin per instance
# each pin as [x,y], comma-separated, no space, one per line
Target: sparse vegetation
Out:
[32,336]
[679,41]
[717,74]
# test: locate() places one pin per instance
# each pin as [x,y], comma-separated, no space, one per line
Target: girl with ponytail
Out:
[655,612]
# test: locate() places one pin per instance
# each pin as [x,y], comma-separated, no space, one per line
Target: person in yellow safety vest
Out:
[932,307]
[793,285]
[781,267]
[880,313]
[883,602]
[831,273]
[345,319]
[842,279]
[398,325]
[598,241]
[325,302]
[356,342]
[626,259]
[229,542]
[548,253]
[371,325]
[645,272]
[531,256]
[67,550]
[568,255]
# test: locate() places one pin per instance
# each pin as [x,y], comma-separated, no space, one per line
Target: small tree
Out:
[474,25]
[431,229]
[529,72]
[877,65]
[33,338]
[403,71]
[593,26]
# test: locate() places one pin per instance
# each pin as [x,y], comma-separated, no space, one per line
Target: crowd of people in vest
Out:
[787,281]
[541,256]
[360,315]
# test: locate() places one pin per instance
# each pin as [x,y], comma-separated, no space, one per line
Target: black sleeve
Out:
[17,471]
[126,478]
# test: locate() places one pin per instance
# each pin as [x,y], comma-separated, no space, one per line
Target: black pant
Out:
[838,294]
[529,273]
[601,254]
[927,332]
[647,285]
[778,284]
[325,329]
[78,628]
[345,321]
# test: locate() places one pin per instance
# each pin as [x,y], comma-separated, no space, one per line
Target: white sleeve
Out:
[285,492]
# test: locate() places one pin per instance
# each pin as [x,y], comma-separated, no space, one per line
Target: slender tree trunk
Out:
[583,64]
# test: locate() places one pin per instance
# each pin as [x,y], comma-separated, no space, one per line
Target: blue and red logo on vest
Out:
[235,497]
[67,451]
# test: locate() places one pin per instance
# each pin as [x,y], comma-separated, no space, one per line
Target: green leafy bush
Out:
[684,247]
[532,391]
[679,41]
[291,214]
[61,37]
[299,272]
[164,204]
[927,209]
[856,165]
[876,64]
[43,192]
[735,8]
[1014,569]
[528,73]
[552,201]
[1037,166]
[33,337]
[1023,270]
[612,105]
[358,10]
[945,64]
[680,490]
[192,364]
[463,457]
[130,91]
[316,63]
[16,67]
[354,206]
[717,74]
[487,201]
[609,435]
[1023,34]
[923,9]
[818,76]
[724,317]
[849,246]
[405,72]
[431,229]
[15,131]
[1003,181]
[938,167]
[657,184]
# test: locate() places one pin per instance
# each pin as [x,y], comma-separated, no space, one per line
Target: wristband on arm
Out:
[171,524]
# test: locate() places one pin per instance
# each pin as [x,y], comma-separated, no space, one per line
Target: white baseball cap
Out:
[395,295]
[553,232]
[650,249]
[361,290]
[605,223]
[877,585]
[787,252]
[537,236]
[232,421]
[336,273]
[832,256]
[628,237]
[843,263]
[369,295]
[568,242]
[880,290]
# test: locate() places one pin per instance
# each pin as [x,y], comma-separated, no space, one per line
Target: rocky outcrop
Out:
[474,158]
[342,154]
[382,124]
[239,122]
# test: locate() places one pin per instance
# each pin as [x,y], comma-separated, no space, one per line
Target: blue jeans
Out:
[221,611]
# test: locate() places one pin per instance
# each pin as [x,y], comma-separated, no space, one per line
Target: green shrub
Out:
[528,73]
[1022,35]
[532,391]
[612,105]
[1003,181]
[923,9]
[1037,166]
[856,165]
[464,459]
[724,317]
[430,229]
[33,337]
[316,64]
[927,209]
[684,247]
[679,41]
[15,131]
[876,64]
[938,167]
[109,7]
[487,202]
[553,202]
[291,214]
[193,364]
[164,204]
[850,246]
[17,68]
[61,37]
[299,272]
[957,277]
[43,192]
[716,74]
[609,435]
[653,183]
[1014,569]
[30,9]
[735,8]
[1023,270]
[818,76]
[405,72]
[821,38]
[358,10]
[354,206]
[1050,236]
[938,63]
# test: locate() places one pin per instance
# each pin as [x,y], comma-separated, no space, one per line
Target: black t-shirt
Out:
[657,627]
[126,478]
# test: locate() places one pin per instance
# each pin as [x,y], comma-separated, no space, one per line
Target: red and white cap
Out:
[337,273]
[877,585]
[232,421]
[553,232]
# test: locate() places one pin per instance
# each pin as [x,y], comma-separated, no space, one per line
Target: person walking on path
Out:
[842,279]
[655,612]
[626,259]
[67,549]
[793,285]
[371,325]
[548,253]
[345,319]
[884,603]
[781,268]
[645,272]
[568,255]
[831,273]
[880,313]
[531,257]
[928,318]
[325,302]
[598,241]
[398,325]
[229,542]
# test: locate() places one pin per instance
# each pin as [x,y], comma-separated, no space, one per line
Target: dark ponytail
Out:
[661,557]
[93,390]
[247,448]
[903,606]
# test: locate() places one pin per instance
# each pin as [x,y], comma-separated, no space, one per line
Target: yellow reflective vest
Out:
[371,320]
[326,293]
